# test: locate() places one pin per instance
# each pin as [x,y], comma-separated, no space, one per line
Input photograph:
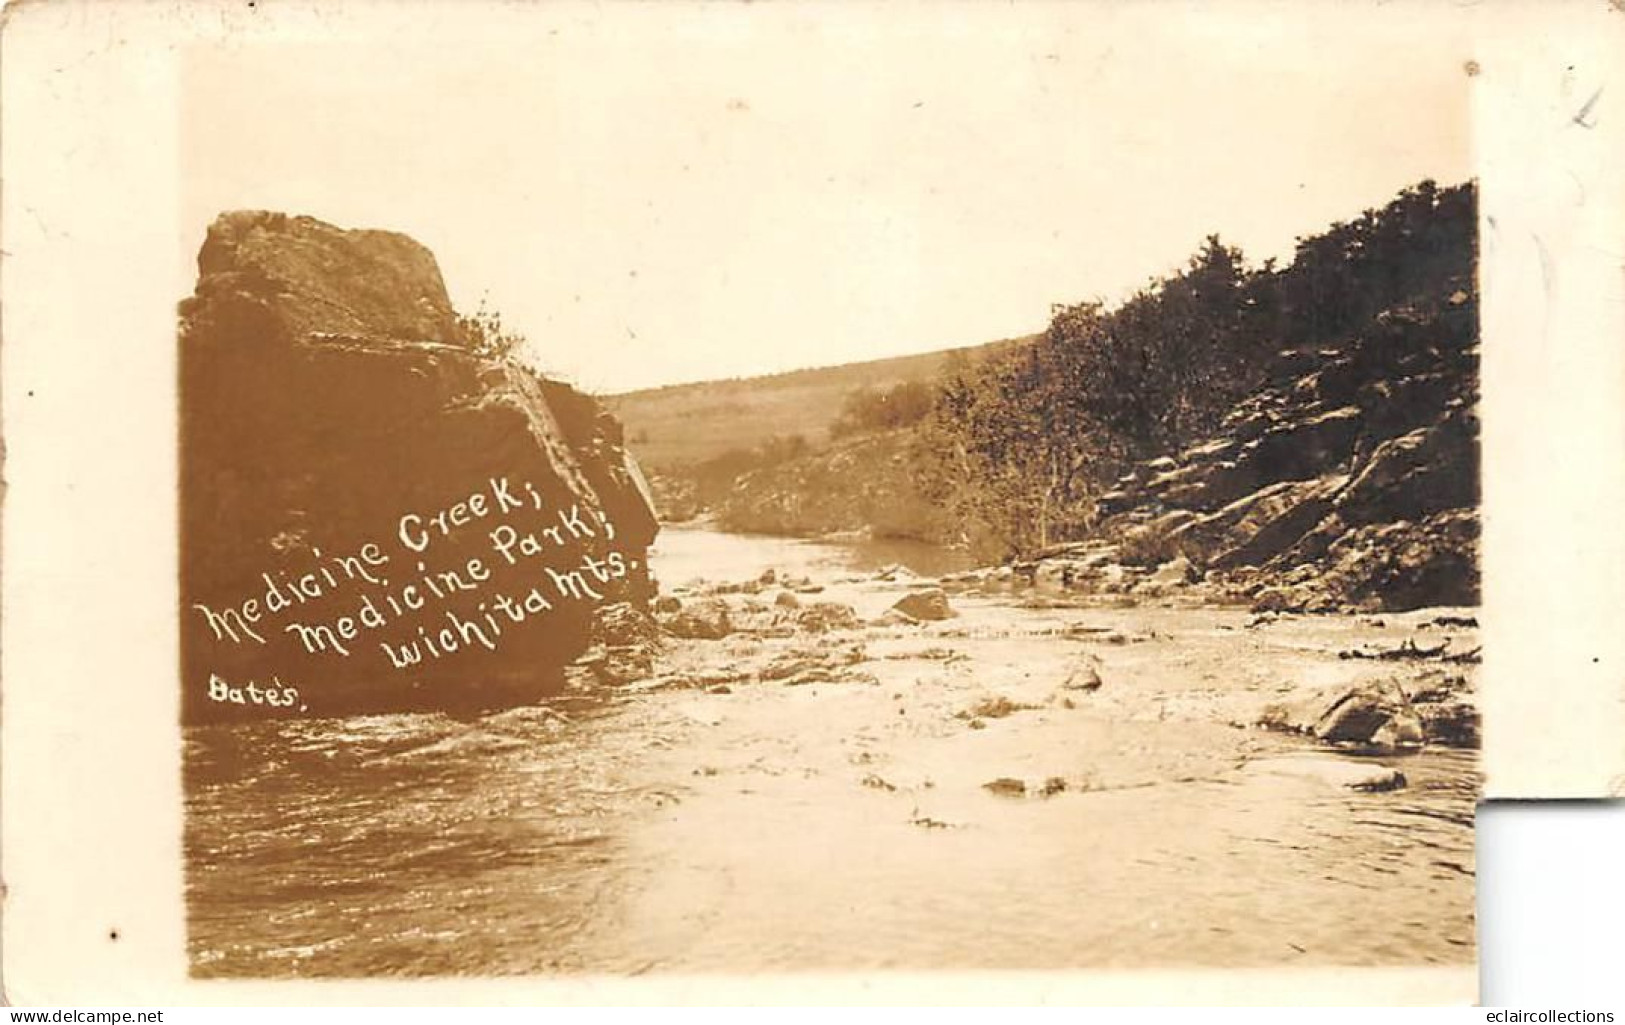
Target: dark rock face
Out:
[1407,565]
[327,391]
[1350,482]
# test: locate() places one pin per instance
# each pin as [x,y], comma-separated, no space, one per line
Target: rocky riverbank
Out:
[1310,443]
[1348,484]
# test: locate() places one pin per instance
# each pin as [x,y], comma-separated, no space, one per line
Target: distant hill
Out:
[687,423]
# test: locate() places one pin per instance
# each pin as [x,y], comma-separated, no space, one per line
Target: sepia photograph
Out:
[974,499]
[560,503]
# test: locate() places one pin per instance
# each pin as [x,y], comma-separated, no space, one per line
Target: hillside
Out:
[1296,438]
[690,423]
[863,483]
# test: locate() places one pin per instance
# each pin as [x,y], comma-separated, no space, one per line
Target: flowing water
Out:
[682,554]
[798,828]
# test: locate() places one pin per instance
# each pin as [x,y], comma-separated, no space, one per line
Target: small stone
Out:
[930,604]
[1084,677]
[1006,786]
[1379,783]
[996,707]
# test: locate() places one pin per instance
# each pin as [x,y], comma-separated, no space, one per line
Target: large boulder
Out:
[1368,715]
[347,449]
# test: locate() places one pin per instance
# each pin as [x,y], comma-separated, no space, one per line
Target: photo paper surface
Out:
[997,500]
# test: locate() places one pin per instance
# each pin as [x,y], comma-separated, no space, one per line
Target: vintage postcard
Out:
[970,501]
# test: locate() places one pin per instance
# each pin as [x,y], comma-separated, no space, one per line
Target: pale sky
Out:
[662,194]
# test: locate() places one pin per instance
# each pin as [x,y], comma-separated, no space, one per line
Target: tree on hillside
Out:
[1019,444]
[883,409]
[990,452]
[1162,368]
[1353,270]
[1023,442]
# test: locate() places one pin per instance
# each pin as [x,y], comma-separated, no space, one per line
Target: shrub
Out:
[484,334]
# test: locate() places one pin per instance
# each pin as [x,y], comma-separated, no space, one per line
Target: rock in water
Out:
[929,604]
[707,619]
[1362,715]
[1391,714]
[1172,573]
[825,616]
[1006,786]
[367,492]
[1083,676]
[622,624]
[1454,722]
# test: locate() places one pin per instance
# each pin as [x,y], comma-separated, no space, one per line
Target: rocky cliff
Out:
[345,444]
[1350,482]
